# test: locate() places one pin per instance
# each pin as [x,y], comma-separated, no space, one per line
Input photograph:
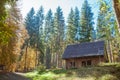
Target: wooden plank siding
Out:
[78,61]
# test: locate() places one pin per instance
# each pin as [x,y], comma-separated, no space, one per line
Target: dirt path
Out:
[12,76]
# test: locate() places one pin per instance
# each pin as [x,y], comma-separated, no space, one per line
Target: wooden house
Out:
[84,54]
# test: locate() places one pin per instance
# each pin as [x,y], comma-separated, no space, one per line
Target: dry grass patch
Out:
[109,72]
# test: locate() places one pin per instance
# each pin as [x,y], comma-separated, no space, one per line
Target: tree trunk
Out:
[26,51]
[36,59]
[41,58]
[109,51]
[116,5]
[48,58]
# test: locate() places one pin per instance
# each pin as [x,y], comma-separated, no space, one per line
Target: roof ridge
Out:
[86,43]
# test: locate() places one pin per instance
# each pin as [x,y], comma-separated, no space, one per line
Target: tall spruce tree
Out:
[39,18]
[71,29]
[77,23]
[30,26]
[101,21]
[106,28]
[73,26]
[48,25]
[86,23]
[59,26]
[48,37]
[105,21]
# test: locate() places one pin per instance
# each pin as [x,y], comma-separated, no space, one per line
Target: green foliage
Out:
[7,32]
[7,29]
[101,21]
[39,26]
[30,26]
[3,13]
[48,31]
[3,9]
[34,26]
[83,73]
[106,21]
[59,25]
[41,68]
[48,27]
[39,30]
[86,23]
[107,29]
[59,71]
[77,24]
[58,35]
[73,26]
[71,29]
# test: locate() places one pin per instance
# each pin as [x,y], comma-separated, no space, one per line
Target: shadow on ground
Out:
[12,76]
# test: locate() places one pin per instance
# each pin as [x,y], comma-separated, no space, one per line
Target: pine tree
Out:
[106,27]
[59,33]
[48,37]
[105,21]
[73,26]
[31,42]
[77,23]
[39,21]
[59,26]
[71,29]
[29,21]
[86,23]
[101,21]
[39,18]
[48,26]
[30,26]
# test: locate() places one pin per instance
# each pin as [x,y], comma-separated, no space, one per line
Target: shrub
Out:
[41,69]
[59,71]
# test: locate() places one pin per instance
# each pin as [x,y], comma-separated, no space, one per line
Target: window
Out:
[72,64]
[86,63]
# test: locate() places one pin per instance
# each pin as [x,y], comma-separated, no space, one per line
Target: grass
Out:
[102,72]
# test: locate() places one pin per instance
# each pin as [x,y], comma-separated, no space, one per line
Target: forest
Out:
[40,39]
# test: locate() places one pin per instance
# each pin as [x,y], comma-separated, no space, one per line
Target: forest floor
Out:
[12,76]
[103,72]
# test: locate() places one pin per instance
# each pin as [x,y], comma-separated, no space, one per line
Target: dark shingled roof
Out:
[84,49]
